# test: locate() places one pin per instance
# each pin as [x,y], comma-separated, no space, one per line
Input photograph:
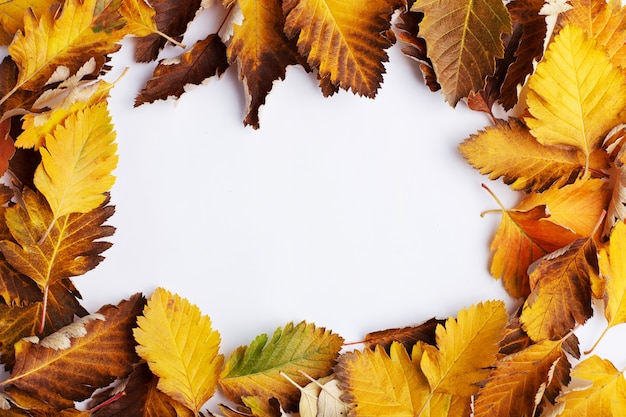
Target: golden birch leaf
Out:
[508,150]
[466,348]
[464,40]
[77,161]
[516,384]
[344,40]
[181,348]
[139,17]
[255,370]
[70,364]
[577,206]
[603,21]
[606,396]
[12,15]
[575,95]
[523,237]
[613,266]
[560,295]
[262,50]
[382,385]
[83,30]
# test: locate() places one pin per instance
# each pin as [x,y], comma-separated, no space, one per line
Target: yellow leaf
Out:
[344,40]
[604,22]
[180,347]
[377,384]
[12,15]
[139,16]
[576,95]
[605,397]
[577,207]
[77,161]
[511,152]
[83,29]
[466,348]
[464,40]
[613,266]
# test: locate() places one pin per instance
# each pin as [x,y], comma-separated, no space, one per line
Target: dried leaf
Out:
[466,348]
[7,148]
[207,58]
[255,370]
[262,51]
[77,162]
[464,40]
[61,376]
[12,15]
[575,96]
[180,347]
[606,396]
[516,384]
[613,266]
[508,150]
[408,336]
[560,295]
[345,41]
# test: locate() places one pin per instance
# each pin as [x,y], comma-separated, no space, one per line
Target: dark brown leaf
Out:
[408,336]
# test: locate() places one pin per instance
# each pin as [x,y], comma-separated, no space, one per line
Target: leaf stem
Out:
[587,352]
[226,17]
[44,308]
[107,402]
[502,208]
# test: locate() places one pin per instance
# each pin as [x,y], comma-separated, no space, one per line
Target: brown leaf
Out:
[415,46]
[7,148]
[207,58]
[464,40]
[560,295]
[408,336]
[59,376]
[141,397]
[172,18]
[263,52]
[517,379]
[526,18]
[17,322]
[345,41]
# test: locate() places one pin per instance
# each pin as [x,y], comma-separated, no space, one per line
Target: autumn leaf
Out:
[464,40]
[523,237]
[255,370]
[180,347]
[262,51]
[516,384]
[207,58]
[382,385]
[408,336]
[83,30]
[139,16]
[466,348]
[604,22]
[606,396]
[508,150]
[575,95]
[616,208]
[77,161]
[7,148]
[560,295]
[578,206]
[12,15]
[70,364]
[141,397]
[344,40]
[172,18]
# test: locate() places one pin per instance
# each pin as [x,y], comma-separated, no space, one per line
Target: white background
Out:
[351,213]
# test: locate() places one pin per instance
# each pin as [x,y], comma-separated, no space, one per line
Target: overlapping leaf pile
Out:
[556,68]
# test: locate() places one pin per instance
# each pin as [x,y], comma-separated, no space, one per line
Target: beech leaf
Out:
[464,40]
[180,347]
[104,353]
[255,370]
